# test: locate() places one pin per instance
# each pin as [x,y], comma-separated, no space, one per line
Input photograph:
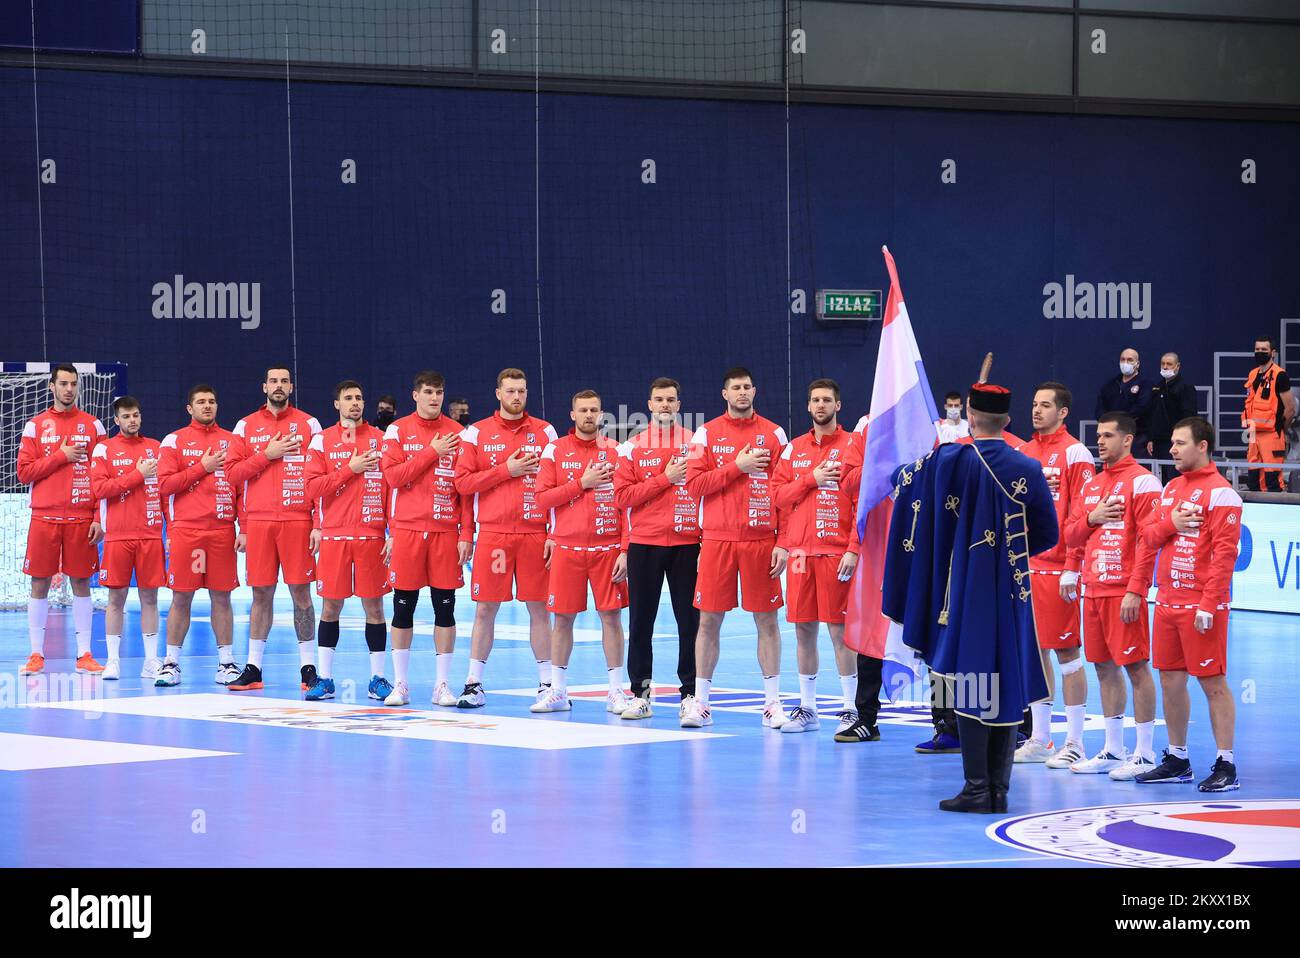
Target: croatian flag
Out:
[900,429]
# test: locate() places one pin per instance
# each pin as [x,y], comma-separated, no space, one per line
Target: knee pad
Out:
[404,608]
[444,607]
[1069,668]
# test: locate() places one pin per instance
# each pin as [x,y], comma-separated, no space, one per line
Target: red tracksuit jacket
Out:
[1068,459]
[657,512]
[273,489]
[130,506]
[502,503]
[60,489]
[579,518]
[1115,559]
[734,506]
[1196,567]
[194,497]
[819,521]
[346,504]
[422,486]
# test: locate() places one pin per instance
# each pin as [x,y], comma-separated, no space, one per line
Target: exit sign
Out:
[862,305]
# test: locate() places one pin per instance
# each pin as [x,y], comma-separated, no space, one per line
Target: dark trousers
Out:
[942,713]
[647,566]
[987,754]
[869,682]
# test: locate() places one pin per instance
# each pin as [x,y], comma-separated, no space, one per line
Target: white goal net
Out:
[24,392]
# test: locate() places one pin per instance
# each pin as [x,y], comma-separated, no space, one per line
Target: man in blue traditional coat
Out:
[966,520]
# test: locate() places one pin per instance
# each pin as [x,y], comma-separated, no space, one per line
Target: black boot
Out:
[975,796]
[1002,753]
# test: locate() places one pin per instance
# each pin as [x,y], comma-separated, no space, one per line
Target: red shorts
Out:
[721,562]
[348,567]
[60,547]
[202,559]
[1056,620]
[273,546]
[422,559]
[503,557]
[814,592]
[1107,639]
[1178,647]
[572,569]
[144,557]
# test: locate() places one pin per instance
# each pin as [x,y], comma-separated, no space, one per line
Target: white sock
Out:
[1114,734]
[307,653]
[543,671]
[1146,739]
[1074,723]
[255,649]
[226,654]
[772,687]
[173,653]
[559,678]
[616,680]
[151,643]
[442,662]
[475,671]
[401,664]
[376,663]
[1178,751]
[38,610]
[82,611]
[1042,716]
[326,669]
[808,691]
[849,690]
[1225,754]
[702,687]
[114,643]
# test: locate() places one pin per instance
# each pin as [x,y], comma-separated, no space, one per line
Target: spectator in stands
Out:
[1172,400]
[1268,412]
[458,409]
[385,412]
[1128,392]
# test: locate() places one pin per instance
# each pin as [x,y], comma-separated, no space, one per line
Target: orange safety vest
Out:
[1261,400]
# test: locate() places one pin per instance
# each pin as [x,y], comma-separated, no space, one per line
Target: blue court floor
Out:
[123,774]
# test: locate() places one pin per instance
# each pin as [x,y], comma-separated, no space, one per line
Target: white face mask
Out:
[1126,369]
[1169,373]
[954,413]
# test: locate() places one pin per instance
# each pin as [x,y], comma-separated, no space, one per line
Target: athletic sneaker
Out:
[472,697]
[444,696]
[227,672]
[848,718]
[249,680]
[773,715]
[1032,750]
[150,668]
[168,675]
[1071,753]
[1223,777]
[802,720]
[543,690]
[859,731]
[401,695]
[555,700]
[1171,770]
[112,670]
[322,689]
[616,701]
[1101,762]
[87,665]
[638,708]
[308,676]
[941,744]
[380,688]
[694,713]
[34,666]
[1135,766]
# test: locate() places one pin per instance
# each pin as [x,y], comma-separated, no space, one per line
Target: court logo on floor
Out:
[1165,834]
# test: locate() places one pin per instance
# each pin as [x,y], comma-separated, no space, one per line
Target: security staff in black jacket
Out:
[1128,392]
[1172,400]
